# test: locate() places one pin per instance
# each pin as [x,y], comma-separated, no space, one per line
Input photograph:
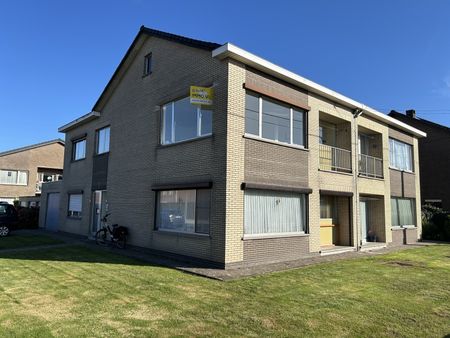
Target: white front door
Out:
[363,220]
[99,209]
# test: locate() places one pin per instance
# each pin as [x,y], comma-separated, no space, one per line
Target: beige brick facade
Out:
[47,156]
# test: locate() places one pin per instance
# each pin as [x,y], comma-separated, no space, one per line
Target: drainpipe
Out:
[356,114]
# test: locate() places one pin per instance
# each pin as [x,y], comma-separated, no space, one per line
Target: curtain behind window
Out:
[269,212]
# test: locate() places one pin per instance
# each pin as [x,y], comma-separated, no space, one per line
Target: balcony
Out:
[335,159]
[370,154]
[370,166]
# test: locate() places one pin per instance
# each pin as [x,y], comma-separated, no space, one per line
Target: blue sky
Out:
[57,56]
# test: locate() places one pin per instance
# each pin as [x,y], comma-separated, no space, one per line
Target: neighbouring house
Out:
[24,170]
[275,168]
[434,152]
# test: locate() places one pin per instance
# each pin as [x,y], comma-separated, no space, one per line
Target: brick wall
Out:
[137,161]
[48,156]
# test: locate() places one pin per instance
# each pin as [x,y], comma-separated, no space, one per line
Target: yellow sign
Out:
[202,95]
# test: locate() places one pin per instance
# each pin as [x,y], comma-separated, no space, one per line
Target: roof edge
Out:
[239,54]
[79,121]
[32,146]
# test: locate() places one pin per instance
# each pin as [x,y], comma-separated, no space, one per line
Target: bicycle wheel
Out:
[100,237]
[121,242]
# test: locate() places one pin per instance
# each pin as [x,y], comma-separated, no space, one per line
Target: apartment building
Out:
[24,170]
[434,152]
[275,167]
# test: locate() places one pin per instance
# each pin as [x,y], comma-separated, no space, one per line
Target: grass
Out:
[14,241]
[76,291]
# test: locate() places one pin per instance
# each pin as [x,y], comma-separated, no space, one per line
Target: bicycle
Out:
[118,234]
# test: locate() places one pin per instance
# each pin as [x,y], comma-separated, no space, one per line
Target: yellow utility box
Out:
[326,232]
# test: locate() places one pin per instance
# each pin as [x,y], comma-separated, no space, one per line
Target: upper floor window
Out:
[148,64]
[182,120]
[103,140]
[400,155]
[79,149]
[273,120]
[13,177]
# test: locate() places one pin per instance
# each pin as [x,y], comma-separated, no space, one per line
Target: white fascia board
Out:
[239,54]
[79,121]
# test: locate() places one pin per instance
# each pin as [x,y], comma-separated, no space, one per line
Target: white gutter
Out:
[79,121]
[239,54]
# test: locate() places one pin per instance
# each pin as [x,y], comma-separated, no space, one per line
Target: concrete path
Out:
[159,259]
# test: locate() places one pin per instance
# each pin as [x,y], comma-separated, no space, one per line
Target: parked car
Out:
[8,218]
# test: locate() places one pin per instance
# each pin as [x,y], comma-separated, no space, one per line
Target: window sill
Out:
[257,138]
[181,234]
[401,227]
[74,218]
[79,160]
[268,236]
[16,185]
[401,170]
[371,178]
[336,172]
[160,146]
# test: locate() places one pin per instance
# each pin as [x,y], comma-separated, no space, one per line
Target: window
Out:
[184,210]
[75,204]
[79,150]
[103,140]
[13,177]
[148,64]
[272,212]
[182,120]
[327,133]
[275,121]
[328,207]
[403,212]
[400,155]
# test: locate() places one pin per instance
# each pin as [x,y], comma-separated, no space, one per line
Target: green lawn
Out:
[15,240]
[75,291]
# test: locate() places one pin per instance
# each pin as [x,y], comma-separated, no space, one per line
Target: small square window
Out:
[148,64]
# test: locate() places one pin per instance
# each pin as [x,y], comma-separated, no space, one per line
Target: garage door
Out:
[52,216]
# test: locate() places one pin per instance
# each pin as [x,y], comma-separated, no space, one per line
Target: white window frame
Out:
[18,172]
[392,165]
[74,151]
[98,140]
[291,126]
[172,131]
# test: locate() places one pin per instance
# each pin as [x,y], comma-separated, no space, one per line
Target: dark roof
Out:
[181,39]
[396,114]
[163,35]
[37,145]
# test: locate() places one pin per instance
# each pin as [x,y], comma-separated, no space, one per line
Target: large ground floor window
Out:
[274,212]
[184,210]
[403,211]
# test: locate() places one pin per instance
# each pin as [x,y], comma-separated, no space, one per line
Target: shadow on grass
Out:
[91,253]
